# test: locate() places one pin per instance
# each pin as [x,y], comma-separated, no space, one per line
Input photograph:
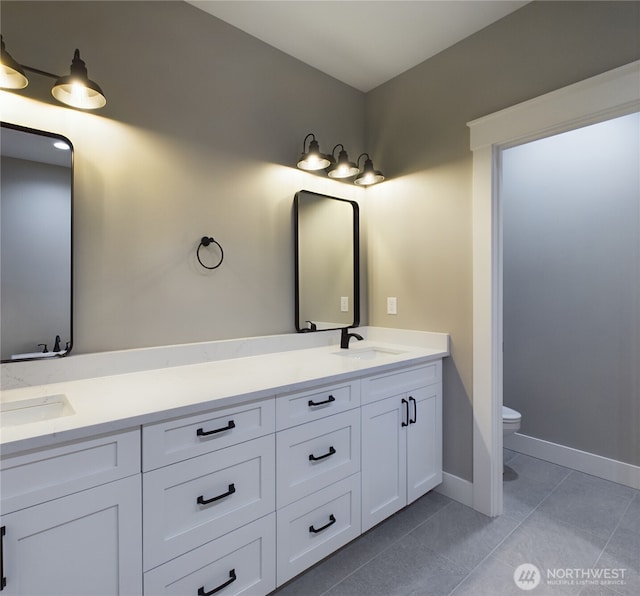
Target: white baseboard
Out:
[456,488]
[582,461]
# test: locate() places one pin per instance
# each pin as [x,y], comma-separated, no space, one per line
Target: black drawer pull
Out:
[232,578]
[3,579]
[321,403]
[406,411]
[415,410]
[327,454]
[332,520]
[203,501]
[205,433]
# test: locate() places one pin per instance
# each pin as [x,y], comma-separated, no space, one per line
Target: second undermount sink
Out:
[37,409]
[371,353]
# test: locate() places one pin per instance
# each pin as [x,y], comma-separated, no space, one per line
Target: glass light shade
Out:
[343,168]
[313,159]
[77,90]
[11,74]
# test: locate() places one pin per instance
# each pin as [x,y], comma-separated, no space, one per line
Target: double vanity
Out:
[223,476]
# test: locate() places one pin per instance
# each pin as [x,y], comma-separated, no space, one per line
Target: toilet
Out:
[510,421]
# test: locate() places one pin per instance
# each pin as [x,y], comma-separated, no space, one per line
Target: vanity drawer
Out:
[315,526]
[192,502]
[245,560]
[378,387]
[169,442]
[300,407]
[36,476]
[315,454]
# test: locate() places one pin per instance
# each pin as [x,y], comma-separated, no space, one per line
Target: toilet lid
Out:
[509,414]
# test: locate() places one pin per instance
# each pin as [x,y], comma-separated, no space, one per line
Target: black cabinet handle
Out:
[406,411]
[232,578]
[3,580]
[203,501]
[330,452]
[332,520]
[415,410]
[205,433]
[321,403]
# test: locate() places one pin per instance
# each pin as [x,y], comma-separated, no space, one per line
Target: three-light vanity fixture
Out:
[340,168]
[75,89]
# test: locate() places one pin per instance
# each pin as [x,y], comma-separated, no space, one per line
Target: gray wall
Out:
[35,233]
[420,221]
[200,136]
[571,206]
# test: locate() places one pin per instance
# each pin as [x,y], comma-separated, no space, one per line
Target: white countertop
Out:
[110,403]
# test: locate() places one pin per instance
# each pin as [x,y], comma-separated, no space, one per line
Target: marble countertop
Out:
[118,401]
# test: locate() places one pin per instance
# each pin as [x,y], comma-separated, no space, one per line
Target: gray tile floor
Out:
[582,533]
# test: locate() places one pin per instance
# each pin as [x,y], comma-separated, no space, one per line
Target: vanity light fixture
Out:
[343,168]
[312,159]
[338,169]
[369,175]
[75,89]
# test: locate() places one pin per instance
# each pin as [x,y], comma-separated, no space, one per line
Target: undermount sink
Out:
[367,353]
[35,409]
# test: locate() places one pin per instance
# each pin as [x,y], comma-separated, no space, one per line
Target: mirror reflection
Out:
[327,262]
[35,244]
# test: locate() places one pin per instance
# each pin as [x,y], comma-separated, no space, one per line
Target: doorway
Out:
[600,98]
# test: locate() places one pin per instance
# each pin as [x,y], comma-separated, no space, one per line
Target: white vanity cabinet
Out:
[71,518]
[401,439]
[209,502]
[228,499]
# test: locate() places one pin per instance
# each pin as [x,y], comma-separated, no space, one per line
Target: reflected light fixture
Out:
[343,168]
[75,89]
[312,159]
[368,176]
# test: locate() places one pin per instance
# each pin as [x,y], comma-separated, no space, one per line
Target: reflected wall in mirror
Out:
[36,203]
[327,262]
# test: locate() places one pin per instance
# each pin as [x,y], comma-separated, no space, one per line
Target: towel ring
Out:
[206,241]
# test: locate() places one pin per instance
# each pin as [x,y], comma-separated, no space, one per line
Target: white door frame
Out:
[609,95]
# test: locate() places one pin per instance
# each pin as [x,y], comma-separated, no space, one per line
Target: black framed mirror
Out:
[36,218]
[327,262]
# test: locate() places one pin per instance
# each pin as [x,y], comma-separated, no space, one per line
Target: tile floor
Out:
[562,521]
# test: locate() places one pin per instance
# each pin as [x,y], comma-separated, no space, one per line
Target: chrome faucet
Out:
[345,337]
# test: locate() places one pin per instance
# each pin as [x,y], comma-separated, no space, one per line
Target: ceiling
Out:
[360,42]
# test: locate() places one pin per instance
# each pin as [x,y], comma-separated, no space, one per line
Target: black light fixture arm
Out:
[362,155]
[44,73]
[304,143]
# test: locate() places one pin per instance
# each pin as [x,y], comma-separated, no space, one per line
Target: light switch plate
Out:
[392,305]
[344,303]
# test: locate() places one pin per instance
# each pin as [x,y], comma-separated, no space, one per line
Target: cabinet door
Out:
[424,441]
[384,459]
[87,543]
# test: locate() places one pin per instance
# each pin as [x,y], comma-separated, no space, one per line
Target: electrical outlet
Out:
[392,305]
[344,303]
